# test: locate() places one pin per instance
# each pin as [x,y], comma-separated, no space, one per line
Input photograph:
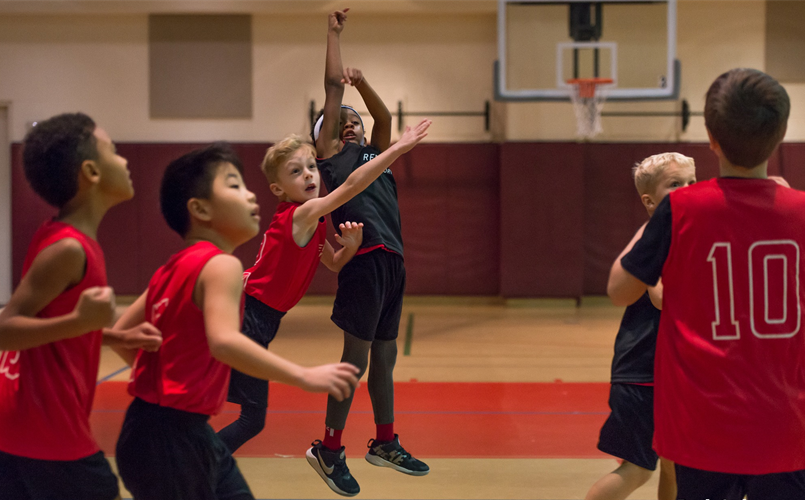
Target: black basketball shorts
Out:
[369,300]
[628,433]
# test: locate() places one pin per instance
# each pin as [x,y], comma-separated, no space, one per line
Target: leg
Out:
[620,483]
[250,423]
[356,351]
[328,462]
[627,434]
[667,488]
[381,380]
[260,323]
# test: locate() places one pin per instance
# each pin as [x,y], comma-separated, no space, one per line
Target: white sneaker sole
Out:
[314,462]
[379,462]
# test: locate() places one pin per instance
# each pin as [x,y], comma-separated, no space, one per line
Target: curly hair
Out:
[53,152]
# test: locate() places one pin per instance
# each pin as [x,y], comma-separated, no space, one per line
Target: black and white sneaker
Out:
[391,454]
[332,467]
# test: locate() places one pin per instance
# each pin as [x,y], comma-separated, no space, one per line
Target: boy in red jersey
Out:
[729,400]
[167,450]
[52,328]
[291,250]
[629,430]
[371,286]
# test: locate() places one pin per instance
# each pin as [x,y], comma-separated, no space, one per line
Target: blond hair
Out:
[648,171]
[279,153]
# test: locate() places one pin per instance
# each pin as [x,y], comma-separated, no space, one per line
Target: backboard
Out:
[544,43]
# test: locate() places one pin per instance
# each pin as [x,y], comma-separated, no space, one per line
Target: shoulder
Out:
[65,251]
[222,265]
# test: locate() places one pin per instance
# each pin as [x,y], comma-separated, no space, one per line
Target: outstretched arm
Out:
[311,210]
[328,142]
[53,270]
[218,291]
[623,288]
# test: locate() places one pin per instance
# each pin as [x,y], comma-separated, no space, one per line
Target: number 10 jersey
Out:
[730,360]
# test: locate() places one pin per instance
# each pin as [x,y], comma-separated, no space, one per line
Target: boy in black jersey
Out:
[368,303]
[629,430]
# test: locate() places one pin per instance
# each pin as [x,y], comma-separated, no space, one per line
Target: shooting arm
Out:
[381,131]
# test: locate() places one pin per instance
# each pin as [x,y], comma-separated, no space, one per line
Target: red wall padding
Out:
[542,216]
[512,219]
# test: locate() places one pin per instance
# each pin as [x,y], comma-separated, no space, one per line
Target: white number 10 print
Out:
[774,306]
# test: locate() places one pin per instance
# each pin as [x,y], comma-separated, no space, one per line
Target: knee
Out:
[634,474]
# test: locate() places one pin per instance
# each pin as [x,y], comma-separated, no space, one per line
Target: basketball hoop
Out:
[588,102]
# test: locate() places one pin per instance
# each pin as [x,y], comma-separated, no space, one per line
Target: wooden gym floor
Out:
[502,400]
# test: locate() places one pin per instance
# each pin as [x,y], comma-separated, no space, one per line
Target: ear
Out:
[714,145]
[648,202]
[276,190]
[89,172]
[199,209]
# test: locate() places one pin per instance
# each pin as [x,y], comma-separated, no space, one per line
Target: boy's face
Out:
[298,178]
[115,178]
[351,128]
[674,176]
[233,209]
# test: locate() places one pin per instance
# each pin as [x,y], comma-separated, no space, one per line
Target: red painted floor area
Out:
[434,420]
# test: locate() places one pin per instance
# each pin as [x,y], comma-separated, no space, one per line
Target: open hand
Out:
[96,307]
[412,136]
[337,19]
[351,234]
[339,379]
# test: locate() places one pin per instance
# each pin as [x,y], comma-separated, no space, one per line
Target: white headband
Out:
[320,121]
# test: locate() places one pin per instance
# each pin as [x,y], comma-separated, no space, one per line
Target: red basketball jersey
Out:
[730,360]
[283,270]
[182,374]
[46,392]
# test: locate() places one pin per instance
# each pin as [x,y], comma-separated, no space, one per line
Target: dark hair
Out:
[53,152]
[191,176]
[746,111]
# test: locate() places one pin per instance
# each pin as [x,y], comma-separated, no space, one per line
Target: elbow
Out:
[333,83]
[617,297]
[220,350]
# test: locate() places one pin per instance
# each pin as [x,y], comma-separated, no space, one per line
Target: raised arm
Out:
[381,130]
[360,179]
[218,293]
[327,143]
[53,270]
[623,288]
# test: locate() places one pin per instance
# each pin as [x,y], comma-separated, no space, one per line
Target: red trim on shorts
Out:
[370,249]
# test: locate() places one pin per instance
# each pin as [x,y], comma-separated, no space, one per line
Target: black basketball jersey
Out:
[635,344]
[376,206]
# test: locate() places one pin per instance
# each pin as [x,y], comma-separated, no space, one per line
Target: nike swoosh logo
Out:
[327,470]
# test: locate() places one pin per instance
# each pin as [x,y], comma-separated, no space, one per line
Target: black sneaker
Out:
[332,467]
[391,454]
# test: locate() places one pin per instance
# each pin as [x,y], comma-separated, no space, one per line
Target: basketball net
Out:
[588,102]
